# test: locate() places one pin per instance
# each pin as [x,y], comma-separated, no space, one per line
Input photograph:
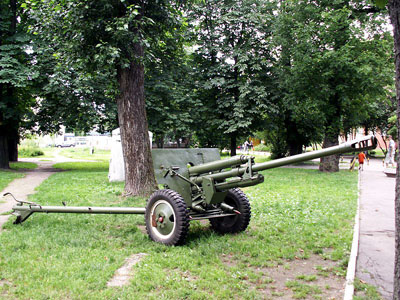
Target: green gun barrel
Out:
[218,165]
[357,145]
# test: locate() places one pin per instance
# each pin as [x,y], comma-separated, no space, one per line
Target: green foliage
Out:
[29,152]
[392,124]
[232,63]
[170,103]
[91,43]
[333,72]
[262,147]
[214,74]
[16,76]
[29,148]
[381,3]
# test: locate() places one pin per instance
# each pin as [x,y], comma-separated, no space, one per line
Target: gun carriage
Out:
[197,185]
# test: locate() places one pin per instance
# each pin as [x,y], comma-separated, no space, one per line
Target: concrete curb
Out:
[351,267]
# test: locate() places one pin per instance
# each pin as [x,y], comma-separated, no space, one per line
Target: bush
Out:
[262,147]
[29,152]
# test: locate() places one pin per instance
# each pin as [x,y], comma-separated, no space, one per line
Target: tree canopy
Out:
[333,71]
[233,59]
[16,79]
[212,72]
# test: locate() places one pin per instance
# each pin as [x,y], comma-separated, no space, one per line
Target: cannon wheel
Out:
[167,219]
[238,223]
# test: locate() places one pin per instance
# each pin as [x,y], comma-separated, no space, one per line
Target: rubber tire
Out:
[181,217]
[238,223]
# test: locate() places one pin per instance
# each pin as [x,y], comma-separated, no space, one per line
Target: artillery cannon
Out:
[197,185]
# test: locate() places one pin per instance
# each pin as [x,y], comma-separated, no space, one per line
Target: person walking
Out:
[361,158]
[389,159]
[246,146]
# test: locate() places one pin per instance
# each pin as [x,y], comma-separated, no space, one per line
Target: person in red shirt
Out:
[361,158]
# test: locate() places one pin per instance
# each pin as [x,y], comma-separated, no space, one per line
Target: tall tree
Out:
[170,102]
[16,76]
[333,59]
[233,59]
[111,36]
[394,12]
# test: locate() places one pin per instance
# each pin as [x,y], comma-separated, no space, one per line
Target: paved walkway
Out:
[21,188]
[375,262]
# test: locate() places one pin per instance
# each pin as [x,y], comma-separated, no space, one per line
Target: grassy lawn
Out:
[378,153]
[6,176]
[298,216]
[73,152]
[84,153]
[23,165]
[364,291]
[48,152]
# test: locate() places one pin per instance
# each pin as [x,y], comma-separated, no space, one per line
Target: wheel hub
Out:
[163,219]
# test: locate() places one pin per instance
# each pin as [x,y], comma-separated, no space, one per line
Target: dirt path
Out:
[21,188]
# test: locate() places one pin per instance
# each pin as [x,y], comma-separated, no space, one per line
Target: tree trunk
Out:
[233,144]
[160,141]
[4,162]
[139,173]
[394,12]
[13,145]
[12,149]
[330,163]
[295,148]
[6,90]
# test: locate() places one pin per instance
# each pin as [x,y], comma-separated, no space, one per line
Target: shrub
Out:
[262,147]
[29,151]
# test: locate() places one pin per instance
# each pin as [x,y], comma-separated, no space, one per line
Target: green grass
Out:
[6,177]
[302,290]
[23,165]
[73,256]
[84,153]
[377,153]
[364,291]
[30,151]
[83,166]
[48,152]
